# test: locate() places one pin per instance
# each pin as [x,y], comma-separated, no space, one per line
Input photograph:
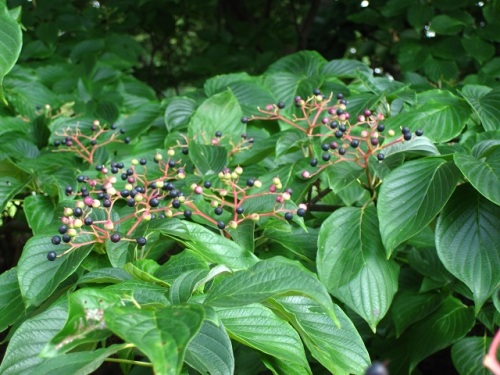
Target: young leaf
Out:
[11,302]
[352,264]
[10,43]
[483,173]
[39,277]
[338,349]
[258,327]
[178,264]
[468,242]
[269,278]
[414,193]
[468,354]
[139,270]
[210,351]
[22,354]
[162,335]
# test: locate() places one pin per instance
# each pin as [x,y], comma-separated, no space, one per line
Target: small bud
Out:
[169,213]
[68,211]
[96,203]
[279,199]
[364,134]
[182,199]
[232,224]
[286,196]
[223,192]
[111,191]
[77,223]
[257,183]
[129,186]
[303,206]
[112,179]
[159,156]
[135,161]
[269,107]
[272,188]
[198,190]
[80,204]
[214,204]
[146,216]
[193,186]
[306,174]
[391,133]
[108,225]
[138,197]
[72,232]
[181,175]
[170,152]
[276,181]
[255,217]
[234,175]
[238,170]
[160,184]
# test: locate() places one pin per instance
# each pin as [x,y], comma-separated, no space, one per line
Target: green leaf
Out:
[338,349]
[483,174]
[210,351]
[352,264]
[441,118]
[486,103]
[12,181]
[141,270]
[252,95]
[118,253]
[221,82]
[307,63]
[11,302]
[468,354]
[85,322]
[208,159]
[220,112]
[409,307]
[414,193]
[446,25]
[178,264]
[18,147]
[22,354]
[39,210]
[468,242]
[258,327]
[183,286]
[211,246]
[269,278]
[162,335]
[178,113]
[10,43]
[420,146]
[109,275]
[345,68]
[78,363]
[478,49]
[144,293]
[39,277]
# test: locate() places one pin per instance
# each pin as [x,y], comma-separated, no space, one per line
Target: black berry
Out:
[301,212]
[218,134]
[56,240]
[115,237]
[185,150]
[78,212]
[51,255]
[141,241]
[288,216]
[240,210]
[326,157]
[419,132]
[218,210]
[221,225]
[187,214]
[380,127]
[207,184]
[354,143]
[88,221]
[407,136]
[176,203]
[127,140]
[80,178]
[106,203]
[325,147]
[342,128]
[154,202]
[171,163]
[125,193]
[339,134]
[342,151]
[66,238]
[313,162]
[380,156]
[405,130]
[334,124]
[250,182]
[244,120]
[281,105]
[377,368]
[62,229]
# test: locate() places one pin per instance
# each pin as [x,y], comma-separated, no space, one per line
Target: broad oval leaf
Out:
[211,351]
[483,174]
[352,264]
[338,349]
[221,112]
[486,103]
[162,335]
[10,42]
[468,242]
[178,113]
[39,277]
[269,278]
[39,209]
[258,327]
[345,68]
[414,194]
[468,354]
[22,355]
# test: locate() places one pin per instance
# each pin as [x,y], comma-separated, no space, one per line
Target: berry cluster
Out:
[85,146]
[165,195]
[341,138]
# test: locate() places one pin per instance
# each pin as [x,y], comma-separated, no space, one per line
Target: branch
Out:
[490,361]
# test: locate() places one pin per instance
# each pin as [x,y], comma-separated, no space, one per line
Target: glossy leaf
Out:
[269,278]
[338,349]
[142,270]
[483,173]
[206,243]
[39,277]
[11,301]
[183,286]
[211,350]
[414,193]
[178,113]
[485,102]
[22,354]
[39,209]
[468,354]
[179,264]
[208,159]
[10,43]
[352,264]
[220,112]
[162,335]
[468,242]
[258,327]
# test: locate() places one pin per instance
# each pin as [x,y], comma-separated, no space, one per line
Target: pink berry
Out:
[306,174]
[198,190]
[88,201]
